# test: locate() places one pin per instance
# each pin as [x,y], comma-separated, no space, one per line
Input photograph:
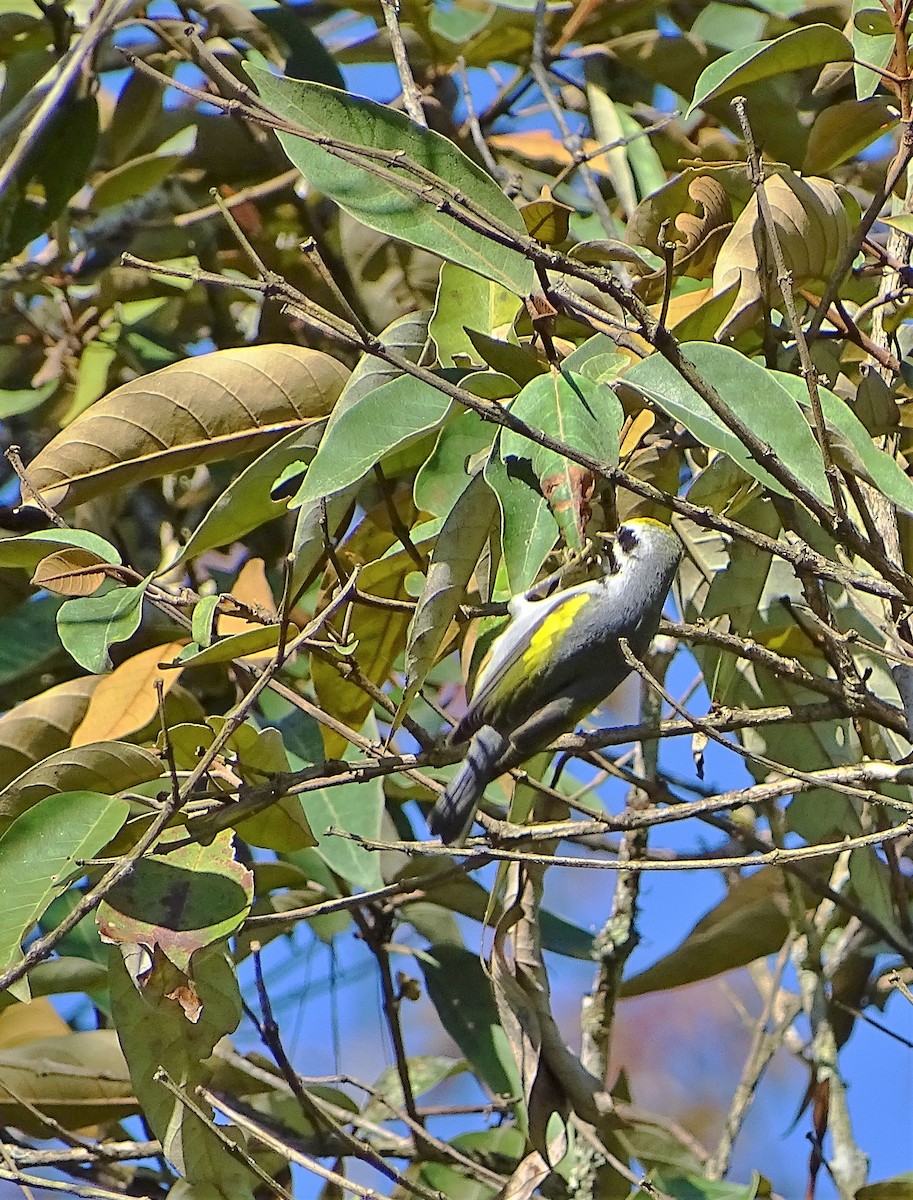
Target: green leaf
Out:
[88,625]
[157,1032]
[752,921]
[409,336]
[587,416]
[426,1071]
[15,403]
[50,174]
[442,477]
[900,1187]
[179,900]
[528,529]
[869,46]
[461,992]
[400,203]
[39,853]
[841,131]
[809,46]
[754,394]
[851,445]
[387,418]
[697,1187]
[465,300]
[463,536]
[237,645]
[352,808]
[247,502]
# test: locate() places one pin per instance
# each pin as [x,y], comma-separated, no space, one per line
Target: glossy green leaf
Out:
[90,625]
[808,46]
[397,201]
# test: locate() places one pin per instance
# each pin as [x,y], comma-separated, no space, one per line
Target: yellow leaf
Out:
[126,700]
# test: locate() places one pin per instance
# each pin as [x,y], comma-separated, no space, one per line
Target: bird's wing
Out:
[522,654]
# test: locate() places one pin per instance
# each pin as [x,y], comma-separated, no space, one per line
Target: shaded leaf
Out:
[106,767]
[247,502]
[79,1079]
[461,992]
[39,727]
[528,529]
[166,1019]
[843,130]
[752,921]
[463,536]
[353,808]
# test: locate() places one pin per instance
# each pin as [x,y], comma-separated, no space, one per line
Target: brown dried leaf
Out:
[69,573]
[201,410]
[814,220]
[703,232]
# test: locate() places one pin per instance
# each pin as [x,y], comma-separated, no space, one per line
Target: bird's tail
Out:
[452,815]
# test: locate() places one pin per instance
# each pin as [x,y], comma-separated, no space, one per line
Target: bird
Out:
[557,660]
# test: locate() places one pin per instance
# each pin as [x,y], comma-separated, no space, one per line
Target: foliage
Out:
[300,387]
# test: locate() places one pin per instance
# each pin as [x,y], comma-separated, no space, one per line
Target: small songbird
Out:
[555,662]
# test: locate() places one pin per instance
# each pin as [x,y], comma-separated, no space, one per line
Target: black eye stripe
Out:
[627,539]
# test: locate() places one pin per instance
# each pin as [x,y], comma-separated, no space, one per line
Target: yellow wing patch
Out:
[552,629]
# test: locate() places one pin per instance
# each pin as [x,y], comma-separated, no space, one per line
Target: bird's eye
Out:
[627,538]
